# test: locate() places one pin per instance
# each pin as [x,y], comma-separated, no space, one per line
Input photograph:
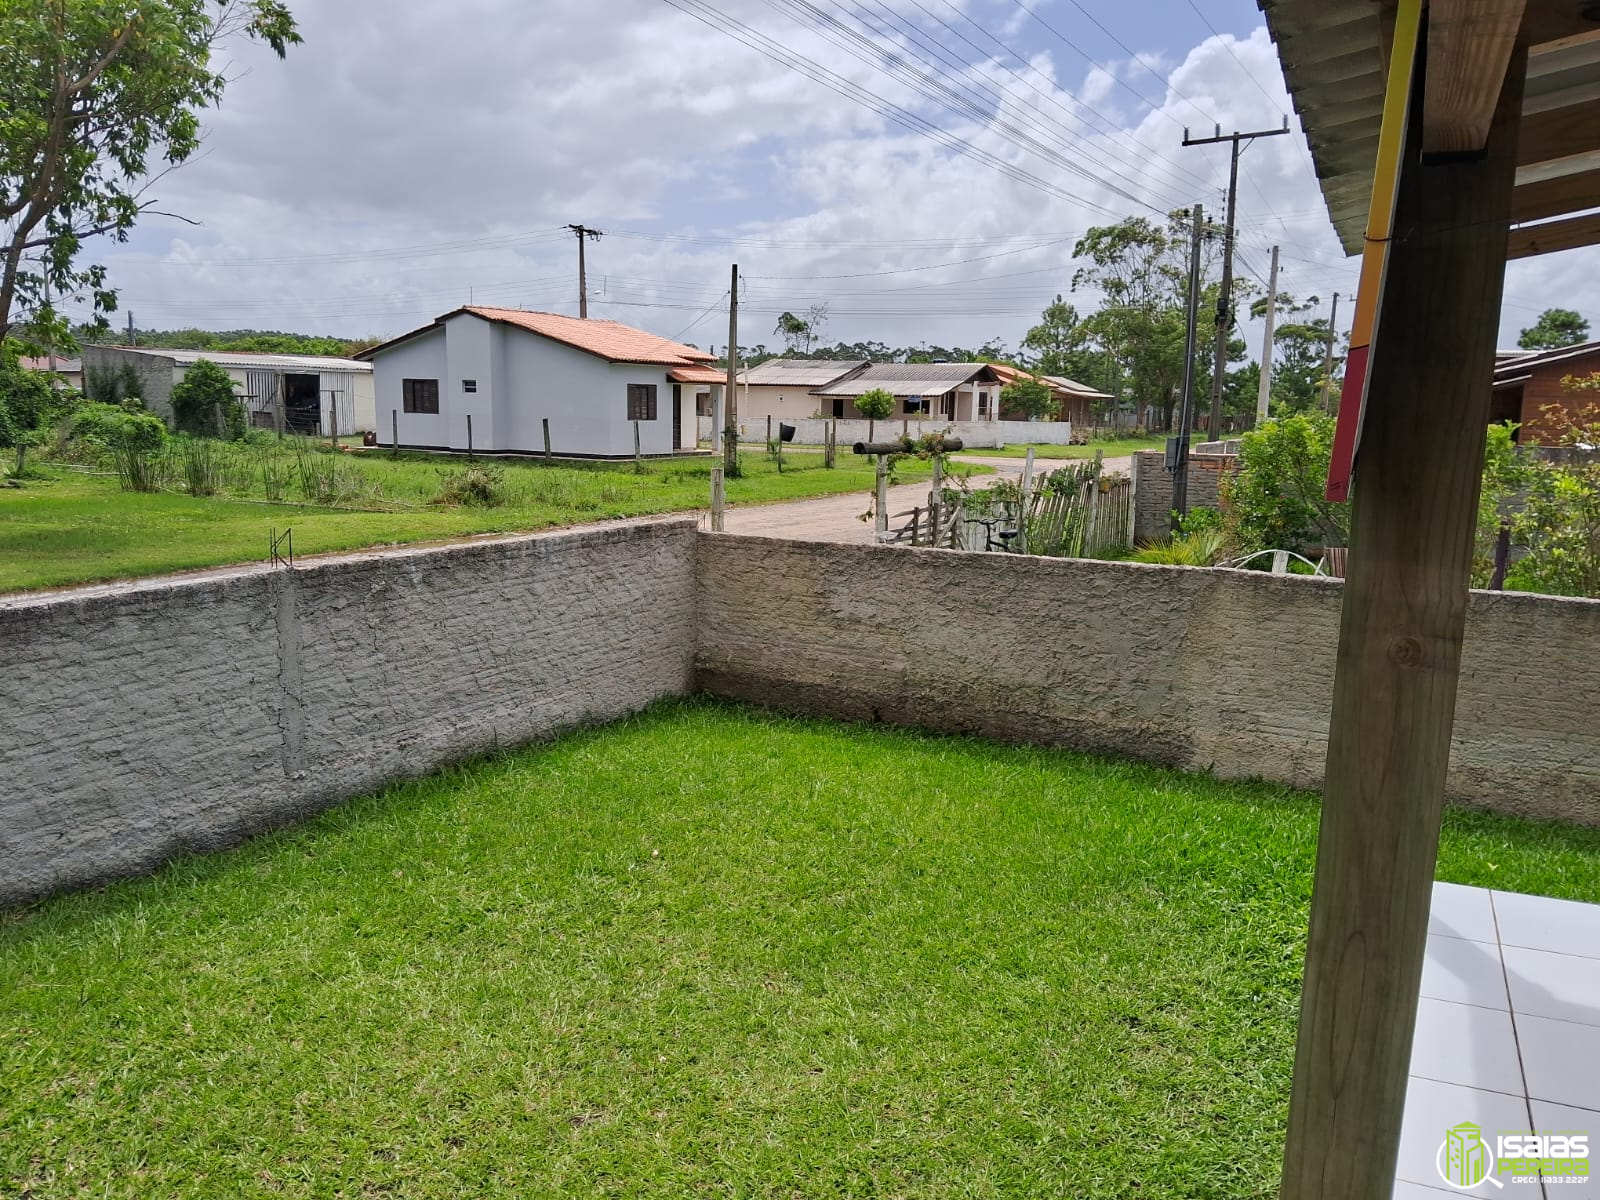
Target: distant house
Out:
[496,375]
[1525,382]
[1076,401]
[936,391]
[786,388]
[70,370]
[316,394]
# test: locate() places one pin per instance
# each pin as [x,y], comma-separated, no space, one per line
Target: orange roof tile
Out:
[607,339]
[697,374]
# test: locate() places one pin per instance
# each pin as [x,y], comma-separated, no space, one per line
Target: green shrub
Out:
[138,450]
[1031,397]
[201,466]
[1274,501]
[1203,548]
[475,486]
[204,404]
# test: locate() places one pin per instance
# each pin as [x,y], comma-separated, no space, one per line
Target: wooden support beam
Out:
[1469,45]
[1559,133]
[1404,609]
[1556,197]
[1567,234]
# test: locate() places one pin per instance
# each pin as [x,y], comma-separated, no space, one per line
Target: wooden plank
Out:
[1398,663]
[1567,234]
[1469,45]
[1559,133]
[1556,197]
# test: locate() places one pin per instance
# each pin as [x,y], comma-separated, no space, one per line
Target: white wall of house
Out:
[522,380]
[421,358]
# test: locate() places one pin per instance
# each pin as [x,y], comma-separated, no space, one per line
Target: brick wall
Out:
[1152,489]
[143,721]
[1214,670]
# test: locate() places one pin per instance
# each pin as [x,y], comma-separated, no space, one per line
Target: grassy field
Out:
[71,526]
[704,952]
[1110,447]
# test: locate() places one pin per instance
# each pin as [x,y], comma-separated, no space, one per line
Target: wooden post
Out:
[547,439]
[1394,691]
[333,422]
[935,500]
[830,446]
[638,460]
[769,429]
[880,500]
[718,499]
[277,403]
[469,435]
[730,406]
[394,433]
[1022,502]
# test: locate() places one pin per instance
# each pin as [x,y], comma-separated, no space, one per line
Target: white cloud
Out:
[409,156]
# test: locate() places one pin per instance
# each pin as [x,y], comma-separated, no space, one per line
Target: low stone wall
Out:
[147,720]
[979,434]
[1152,489]
[1214,670]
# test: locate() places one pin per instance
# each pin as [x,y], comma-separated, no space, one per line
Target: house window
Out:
[641,402]
[419,395]
[469,385]
[914,404]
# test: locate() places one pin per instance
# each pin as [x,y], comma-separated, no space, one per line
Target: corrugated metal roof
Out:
[799,372]
[909,379]
[1523,365]
[1075,388]
[300,364]
[1333,68]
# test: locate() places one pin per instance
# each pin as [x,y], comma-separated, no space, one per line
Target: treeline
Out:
[243,341]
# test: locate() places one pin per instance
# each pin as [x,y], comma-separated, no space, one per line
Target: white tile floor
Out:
[1508,1033]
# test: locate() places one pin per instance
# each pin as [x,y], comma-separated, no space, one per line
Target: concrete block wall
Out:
[1152,489]
[1214,670]
[185,714]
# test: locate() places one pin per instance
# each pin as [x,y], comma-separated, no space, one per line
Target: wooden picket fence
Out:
[1074,511]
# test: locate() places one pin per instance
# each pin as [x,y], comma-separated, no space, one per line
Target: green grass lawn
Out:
[70,526]
[1110,447]
[703,952]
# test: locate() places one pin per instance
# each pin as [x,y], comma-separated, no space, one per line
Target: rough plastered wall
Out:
[1226,671]
[184,714]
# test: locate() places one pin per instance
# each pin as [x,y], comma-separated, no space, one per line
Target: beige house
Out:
[784,389]
[923,391]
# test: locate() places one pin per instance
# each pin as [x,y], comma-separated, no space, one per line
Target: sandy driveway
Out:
[838,518]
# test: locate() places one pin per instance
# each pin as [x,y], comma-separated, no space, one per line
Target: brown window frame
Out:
[641,402]
[425,404]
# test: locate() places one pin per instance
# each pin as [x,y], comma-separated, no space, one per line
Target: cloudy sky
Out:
[413,157]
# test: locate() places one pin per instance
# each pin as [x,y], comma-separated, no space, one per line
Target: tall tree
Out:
[90,92]
[1299,354]
[1141,268]
[1556,327]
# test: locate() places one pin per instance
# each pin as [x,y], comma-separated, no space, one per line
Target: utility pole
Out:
[1327,357]
[1225,294]
[1265,392]
[1178,447]
[730,406]
[52,346]
[594,235]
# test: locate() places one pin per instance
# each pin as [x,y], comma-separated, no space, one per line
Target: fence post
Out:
[830,445]
[769,429]
[935,500]
[469,435]
[880,502]
[717,499]
[333,422]
[638,461]
[1025,502]
[394,433]
[547,439]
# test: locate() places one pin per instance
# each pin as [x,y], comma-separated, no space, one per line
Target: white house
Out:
[489,379]
[317,394]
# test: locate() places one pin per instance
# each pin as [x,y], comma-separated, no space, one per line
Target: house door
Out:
[838,408]
[677,415]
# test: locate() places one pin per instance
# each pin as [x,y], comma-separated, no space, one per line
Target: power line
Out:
[1226,45]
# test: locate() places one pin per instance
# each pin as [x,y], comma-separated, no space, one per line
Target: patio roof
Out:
[1333,51]
[909,379]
